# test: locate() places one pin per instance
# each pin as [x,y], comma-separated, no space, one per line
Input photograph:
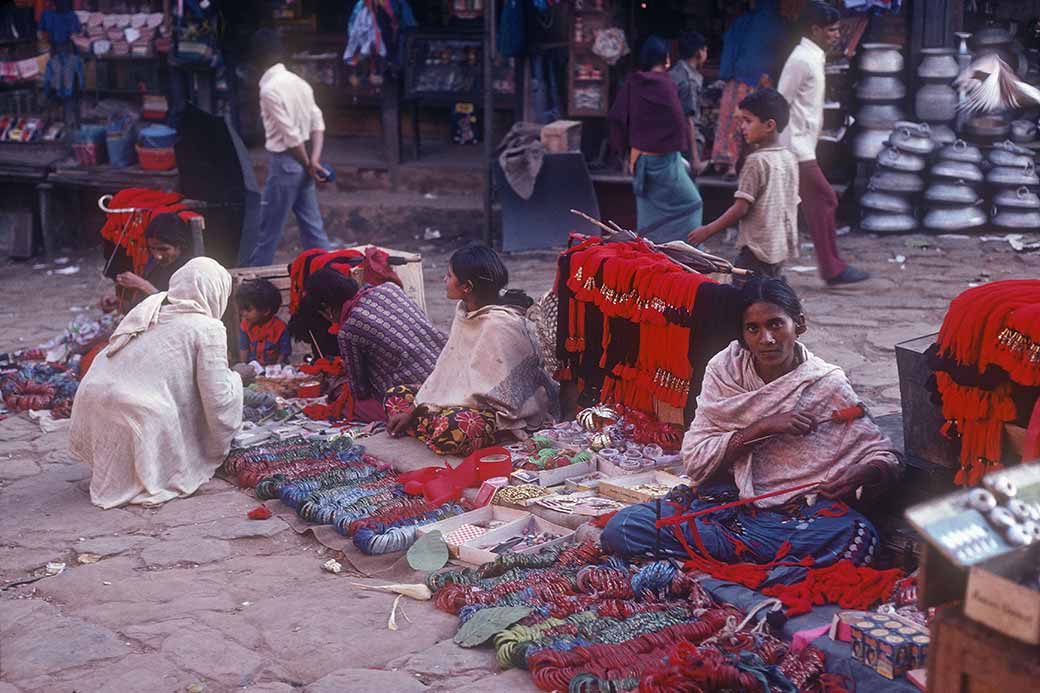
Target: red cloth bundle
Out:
[996,324]
[126,230]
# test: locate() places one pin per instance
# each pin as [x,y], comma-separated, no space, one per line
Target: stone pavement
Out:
[194,597]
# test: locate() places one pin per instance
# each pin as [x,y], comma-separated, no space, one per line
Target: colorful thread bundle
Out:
[599,624]
[335,483]
[40,386]
[989,348]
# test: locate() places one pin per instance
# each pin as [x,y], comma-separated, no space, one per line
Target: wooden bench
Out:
[410,274]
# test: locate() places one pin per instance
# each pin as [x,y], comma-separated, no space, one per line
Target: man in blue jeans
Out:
[291,120]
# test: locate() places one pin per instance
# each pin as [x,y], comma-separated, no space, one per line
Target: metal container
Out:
[879,201]
[1010,154]
[896,182]
[879,222]
[957,170]
[936,101]
[880,59]
[987,128]
[992,37]
[1012,176]
[938,65]
[952,193]
[897,160]
[1018,219]
[913,138]
[1023,131]
[942,134]
[880,116]
[946,219]
[1020,198]
[880,89]
[867,144]
[961,151]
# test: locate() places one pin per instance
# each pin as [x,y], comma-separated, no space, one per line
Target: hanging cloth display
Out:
[512,29]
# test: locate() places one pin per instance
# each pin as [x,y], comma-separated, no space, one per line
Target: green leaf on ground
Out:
[485,623]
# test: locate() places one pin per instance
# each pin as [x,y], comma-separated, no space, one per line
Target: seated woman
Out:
[170,246]
[489,378]
[155,414]
[757,422]
[384,338]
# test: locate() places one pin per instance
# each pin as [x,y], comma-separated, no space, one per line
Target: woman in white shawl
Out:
[156,412]
[758,424]
[489,379]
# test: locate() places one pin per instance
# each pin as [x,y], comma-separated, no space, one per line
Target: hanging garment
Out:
[512,29]
[63,76]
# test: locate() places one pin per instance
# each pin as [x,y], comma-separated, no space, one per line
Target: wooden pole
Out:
[198,225]
[489,118]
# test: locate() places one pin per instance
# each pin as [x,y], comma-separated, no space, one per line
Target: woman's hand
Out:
[132,281]
[398,424]
[246,371]
[108,303]
[846,483]
[792,423]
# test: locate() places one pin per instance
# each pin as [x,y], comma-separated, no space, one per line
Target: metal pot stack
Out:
[880,92]
[888,205]
[952,201]
[935,102]
[1012,181]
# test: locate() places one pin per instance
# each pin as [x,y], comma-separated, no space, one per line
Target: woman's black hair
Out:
[260,294]
[769,290]
[171,229]
[328,288]
[483,269]
[653,53]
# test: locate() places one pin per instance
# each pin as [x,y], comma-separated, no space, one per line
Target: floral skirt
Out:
[445,430]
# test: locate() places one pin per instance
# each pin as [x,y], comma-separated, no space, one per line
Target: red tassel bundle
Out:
[996,324]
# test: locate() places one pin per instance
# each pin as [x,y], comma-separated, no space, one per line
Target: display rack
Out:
[588,75]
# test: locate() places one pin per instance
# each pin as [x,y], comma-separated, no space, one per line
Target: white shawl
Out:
[155,417]
[492,361]
[734,396]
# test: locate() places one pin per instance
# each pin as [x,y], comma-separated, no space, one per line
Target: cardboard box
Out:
[480,516]
[624,488]
[478,551]
[995,597]
[555,477]
[562,136]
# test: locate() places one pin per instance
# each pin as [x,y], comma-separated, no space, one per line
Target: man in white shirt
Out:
[291,119]
[802,84]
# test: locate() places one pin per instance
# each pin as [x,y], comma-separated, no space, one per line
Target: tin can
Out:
[908,632]
[892,625]
[893,656]
[871,643]
[919,650]
[859,630]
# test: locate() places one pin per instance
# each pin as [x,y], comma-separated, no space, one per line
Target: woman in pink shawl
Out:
[758,425]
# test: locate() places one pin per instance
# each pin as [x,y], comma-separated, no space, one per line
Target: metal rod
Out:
[489,120]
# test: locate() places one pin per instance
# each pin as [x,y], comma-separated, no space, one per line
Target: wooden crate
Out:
[410,274]
[967,657]
[562,136]
[997,599]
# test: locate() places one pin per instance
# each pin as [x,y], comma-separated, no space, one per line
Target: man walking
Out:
[291,120]
[802,84]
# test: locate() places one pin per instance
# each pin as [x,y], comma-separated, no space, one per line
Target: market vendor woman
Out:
[758,423]
[170,246]
[155,414]
[489,379]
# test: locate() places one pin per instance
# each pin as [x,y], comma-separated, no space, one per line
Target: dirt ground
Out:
[192,596]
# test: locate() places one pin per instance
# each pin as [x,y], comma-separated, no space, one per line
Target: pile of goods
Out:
[581,620]
[333,482]
[35,386]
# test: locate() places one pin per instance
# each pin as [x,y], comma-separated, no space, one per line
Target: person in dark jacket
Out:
[648,128]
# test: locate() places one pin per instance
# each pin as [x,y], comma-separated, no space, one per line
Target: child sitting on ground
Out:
[766,204]
[262,337]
